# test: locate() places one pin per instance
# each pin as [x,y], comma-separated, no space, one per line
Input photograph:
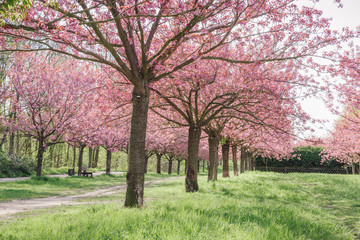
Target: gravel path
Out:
[15,206]
[60,176]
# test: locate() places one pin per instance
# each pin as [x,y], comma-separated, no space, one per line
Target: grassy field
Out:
[51,186]
[255,205]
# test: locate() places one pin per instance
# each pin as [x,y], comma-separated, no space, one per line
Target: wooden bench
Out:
[84,172]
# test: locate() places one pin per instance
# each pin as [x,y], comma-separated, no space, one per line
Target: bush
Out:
[18,167]
[307,157]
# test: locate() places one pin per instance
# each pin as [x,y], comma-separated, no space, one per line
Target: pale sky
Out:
[348,15]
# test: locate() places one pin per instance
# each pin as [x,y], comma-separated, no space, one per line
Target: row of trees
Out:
[229,70]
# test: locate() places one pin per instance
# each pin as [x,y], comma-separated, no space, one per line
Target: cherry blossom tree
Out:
[46,95]
[141,39]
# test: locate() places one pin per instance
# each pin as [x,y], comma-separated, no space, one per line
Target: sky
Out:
[348,15]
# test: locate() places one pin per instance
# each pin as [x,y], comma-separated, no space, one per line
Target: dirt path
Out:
[58,175]
[15,206]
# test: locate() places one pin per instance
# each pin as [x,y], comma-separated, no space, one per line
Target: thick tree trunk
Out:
[108,162]
[158,163]
[81,153]
[170,166]
[234,159]
[225,156]
[213,156]
[136,156]
[40,157]
[90,156]
[191,184]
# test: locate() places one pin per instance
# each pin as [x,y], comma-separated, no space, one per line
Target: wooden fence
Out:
[306,170]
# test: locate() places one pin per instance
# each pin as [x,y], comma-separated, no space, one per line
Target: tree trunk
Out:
[234,158]
[213,156]
[136,156]
[253,165]
[353,168]
[108,162]
[74,159]
[249,158]
[178,167]
[3,139]
[203,166]
[242,160]
[191,184]
[81,153]
[158,163]
[40,157]
[246,161]
[11,145]
[170,166]
[17,145]
[90,156]
[67,155]
[96,158]
[225,156]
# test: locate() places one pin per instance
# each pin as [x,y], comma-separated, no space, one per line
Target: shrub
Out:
[17,167]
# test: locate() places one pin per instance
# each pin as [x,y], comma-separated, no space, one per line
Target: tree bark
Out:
[40,157]
[213,140]
[74,159]
[225,156]
[158,162]
[11,145]
[191,183]
[90,156]
[234,159]
[178,167]
[96,158]
[242,160]
[353,168]
[108,162]
[67,154]
[81,153]
[170,166]
[136,156]
[246,158]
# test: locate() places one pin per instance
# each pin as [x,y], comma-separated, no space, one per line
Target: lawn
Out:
[51,186]
[255,205]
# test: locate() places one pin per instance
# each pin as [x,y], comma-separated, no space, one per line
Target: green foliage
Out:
[305,156]
[252,206]
[13,9]
[15,167]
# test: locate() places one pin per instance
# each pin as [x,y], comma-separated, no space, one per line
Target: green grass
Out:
[50,186]
[255,205]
